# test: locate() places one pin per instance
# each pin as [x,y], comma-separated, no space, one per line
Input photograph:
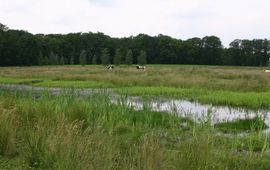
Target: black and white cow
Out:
[140,67]
[110,67]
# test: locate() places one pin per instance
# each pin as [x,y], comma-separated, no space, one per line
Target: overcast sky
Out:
[182,19]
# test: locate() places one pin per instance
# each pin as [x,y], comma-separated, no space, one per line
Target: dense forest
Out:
[21,48]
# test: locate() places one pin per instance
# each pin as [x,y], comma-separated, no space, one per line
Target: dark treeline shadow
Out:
[21,48]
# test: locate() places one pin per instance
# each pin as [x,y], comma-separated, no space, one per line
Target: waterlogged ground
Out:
[88,117]
[196,111]
[243,79]
[182,108]
[244,87]
[58,128]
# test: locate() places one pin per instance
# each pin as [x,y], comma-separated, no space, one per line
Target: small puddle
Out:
[183,108]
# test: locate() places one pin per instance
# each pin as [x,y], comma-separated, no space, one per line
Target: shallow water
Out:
[196,111]
[52,90]
[183,108]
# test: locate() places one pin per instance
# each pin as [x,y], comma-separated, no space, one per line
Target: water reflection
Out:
[194,110]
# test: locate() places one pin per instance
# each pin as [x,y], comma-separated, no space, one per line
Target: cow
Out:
[140,67]
[110,67]
[267,71]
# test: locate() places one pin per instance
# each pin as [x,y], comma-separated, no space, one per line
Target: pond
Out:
[183,108]
[196,111]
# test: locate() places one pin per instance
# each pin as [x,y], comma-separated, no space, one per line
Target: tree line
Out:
[21,48]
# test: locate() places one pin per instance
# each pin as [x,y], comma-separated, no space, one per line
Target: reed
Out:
[71,132]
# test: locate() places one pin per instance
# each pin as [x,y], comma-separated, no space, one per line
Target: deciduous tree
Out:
[129,57]
[142,58]
[105,57]
[83,57]
[117,60]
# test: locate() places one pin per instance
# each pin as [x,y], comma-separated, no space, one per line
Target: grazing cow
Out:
[140,67]
[110,67]
[267,71]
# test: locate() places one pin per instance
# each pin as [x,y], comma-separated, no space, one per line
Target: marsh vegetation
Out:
[234,86]
[71,132]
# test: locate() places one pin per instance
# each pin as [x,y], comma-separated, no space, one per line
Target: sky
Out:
[181,19]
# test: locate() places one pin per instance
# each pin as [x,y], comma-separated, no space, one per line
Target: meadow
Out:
[247,87]
[40,130]
[89,132]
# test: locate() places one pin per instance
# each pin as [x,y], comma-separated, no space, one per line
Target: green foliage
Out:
[71,60]
[40,59]
[7,137]
[53,59]
[105,57]
[94,60]
[8,80]
[247,125]
[212,50]
[46,61]
[117,60]
[141,60]
[216,97]
[69,132]
[83,57]
[62,60]
[129,57]
[246,87]
[20,48]
[3,27]
[73,84]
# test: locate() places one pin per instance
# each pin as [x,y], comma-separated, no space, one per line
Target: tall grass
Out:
[207,77]
[251,100]
[7,136]
[69,132]
[233,86]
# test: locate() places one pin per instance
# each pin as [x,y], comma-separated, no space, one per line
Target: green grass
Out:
[180,76]
[247,87]
[252,100]
[68,132]
[9,80]
[247,125]
[73,84]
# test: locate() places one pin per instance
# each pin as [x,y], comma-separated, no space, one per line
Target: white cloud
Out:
[227,19]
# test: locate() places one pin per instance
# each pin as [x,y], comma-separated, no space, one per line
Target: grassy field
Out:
[234,86]
[68,132]
[206,77]
[42,131]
